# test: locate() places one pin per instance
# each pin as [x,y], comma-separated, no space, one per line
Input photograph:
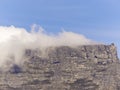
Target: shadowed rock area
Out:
[89,67]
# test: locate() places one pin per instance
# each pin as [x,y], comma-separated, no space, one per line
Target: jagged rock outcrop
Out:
[89,67]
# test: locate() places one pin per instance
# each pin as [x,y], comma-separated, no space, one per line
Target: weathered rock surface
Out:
[90,67]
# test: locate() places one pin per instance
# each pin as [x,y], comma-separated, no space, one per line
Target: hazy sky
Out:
[97,19]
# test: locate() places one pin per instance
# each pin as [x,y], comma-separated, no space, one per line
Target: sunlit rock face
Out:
[88,67]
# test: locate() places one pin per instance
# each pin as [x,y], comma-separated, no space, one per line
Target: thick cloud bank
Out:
[14,41]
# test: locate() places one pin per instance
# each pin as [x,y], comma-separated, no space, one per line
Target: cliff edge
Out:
[88,67]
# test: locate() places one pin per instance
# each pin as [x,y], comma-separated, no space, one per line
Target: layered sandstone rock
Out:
[89,67]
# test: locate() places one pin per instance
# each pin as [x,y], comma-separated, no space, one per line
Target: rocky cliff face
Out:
[90,67]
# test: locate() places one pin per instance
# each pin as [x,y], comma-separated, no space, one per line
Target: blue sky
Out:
[97,19]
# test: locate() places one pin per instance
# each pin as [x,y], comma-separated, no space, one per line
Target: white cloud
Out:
[14,41]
